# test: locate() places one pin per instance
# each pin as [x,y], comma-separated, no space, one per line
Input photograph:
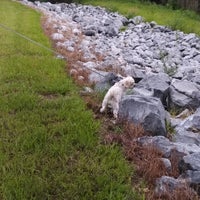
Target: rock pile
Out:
[164,63]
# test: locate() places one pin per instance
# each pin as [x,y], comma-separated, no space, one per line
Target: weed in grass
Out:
[170,129]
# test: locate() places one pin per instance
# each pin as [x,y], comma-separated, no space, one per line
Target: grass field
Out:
[49,143]
[186,21]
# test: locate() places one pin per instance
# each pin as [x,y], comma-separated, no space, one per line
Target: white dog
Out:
[115,93]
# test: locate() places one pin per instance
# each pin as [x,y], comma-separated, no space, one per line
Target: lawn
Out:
[49,142]
[184,20]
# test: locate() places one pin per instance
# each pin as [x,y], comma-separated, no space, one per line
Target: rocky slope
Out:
[165,64]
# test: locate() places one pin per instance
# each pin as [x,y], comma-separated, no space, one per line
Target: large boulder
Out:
[159,142]
[157,84]
[193,179]
[167,184]
[186,137]
[192,123]
[106,81]
[186,148]
[190,162]
[188,130]
[184,93]
[146,111]
[194,77]
[169,148]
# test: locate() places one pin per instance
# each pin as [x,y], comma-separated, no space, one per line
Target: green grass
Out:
[49,144]
[186,21]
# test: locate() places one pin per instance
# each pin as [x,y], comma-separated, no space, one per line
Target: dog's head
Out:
[128,82]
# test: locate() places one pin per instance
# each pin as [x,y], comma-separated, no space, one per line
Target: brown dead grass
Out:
[148,164]
[73,58]
[146,159]
[76,58]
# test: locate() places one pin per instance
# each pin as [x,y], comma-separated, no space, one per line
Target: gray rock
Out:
[89,32]
[148,112]
[193,179]
[135,71]
[187,137]
[159,142]
[195,77]
[174,122]
[112,31]
[179,100]
[90,65]
[190,162]
[190,37]
[106,82]
[188,130]
[86,91]
[136,60]
[57,36]
[186,148]
[97,76]
[167,184]
[169,148]
[192,123]
[157,84]
[167,164]
[136,20]
[184,94]
[185,113]
[185,87]
[142,92]
[197,57]
[153,24]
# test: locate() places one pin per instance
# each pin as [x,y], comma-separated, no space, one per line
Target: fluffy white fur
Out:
[115,93]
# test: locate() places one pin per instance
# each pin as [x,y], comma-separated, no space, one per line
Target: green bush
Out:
[173,4]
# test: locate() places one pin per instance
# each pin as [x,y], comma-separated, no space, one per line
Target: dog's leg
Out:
[115,110]
[104,104]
